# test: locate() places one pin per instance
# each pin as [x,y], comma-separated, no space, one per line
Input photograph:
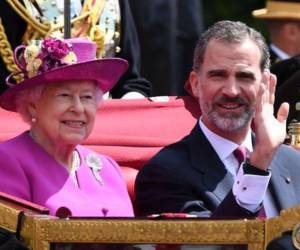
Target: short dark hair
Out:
[232,32]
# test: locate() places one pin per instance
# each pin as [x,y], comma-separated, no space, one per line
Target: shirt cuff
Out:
[249,189]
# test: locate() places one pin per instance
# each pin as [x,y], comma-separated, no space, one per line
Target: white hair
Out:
[26,97]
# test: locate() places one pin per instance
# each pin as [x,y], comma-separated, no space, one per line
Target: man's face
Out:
[227,85]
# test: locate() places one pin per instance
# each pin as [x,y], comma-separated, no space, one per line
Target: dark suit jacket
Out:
[130,51]
[283,242]
[189,177]
[274,57]
[284,69]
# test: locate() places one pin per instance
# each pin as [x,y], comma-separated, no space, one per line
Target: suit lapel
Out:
[206,161]
[281,186]
[274,57]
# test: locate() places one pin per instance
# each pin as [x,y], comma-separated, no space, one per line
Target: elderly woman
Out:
[59,96]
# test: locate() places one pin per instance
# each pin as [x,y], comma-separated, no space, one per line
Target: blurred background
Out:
[168,31]
[215,10]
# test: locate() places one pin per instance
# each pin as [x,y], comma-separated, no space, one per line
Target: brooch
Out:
[95,163]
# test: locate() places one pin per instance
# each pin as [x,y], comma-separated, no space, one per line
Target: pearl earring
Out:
[33,119]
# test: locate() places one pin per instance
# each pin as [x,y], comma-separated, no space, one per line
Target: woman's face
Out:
[65,113]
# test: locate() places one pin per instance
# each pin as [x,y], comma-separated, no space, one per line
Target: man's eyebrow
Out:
[217,72]
[245,74]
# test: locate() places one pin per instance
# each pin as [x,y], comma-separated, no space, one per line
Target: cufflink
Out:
[288,179]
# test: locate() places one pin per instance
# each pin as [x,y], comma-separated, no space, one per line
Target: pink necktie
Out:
[240,154]
[262,213]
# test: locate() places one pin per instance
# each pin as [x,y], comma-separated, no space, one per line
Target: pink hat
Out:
[52,60]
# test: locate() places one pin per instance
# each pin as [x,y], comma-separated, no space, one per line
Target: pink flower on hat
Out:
[51,53]
[55,49]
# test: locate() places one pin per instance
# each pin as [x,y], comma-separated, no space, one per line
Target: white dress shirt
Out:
[249,190]
[280,53]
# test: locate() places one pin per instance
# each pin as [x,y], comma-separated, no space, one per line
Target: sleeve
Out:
[250,188]
[13,179]
[161,189]
[130,51]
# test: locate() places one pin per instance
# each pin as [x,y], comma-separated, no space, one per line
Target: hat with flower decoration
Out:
[51,60]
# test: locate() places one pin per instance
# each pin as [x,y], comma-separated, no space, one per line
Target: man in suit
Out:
[283,24]
[201,174]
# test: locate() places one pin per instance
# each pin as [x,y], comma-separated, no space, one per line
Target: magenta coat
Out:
[29,172]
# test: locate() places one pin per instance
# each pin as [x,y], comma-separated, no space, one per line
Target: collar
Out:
[222,146]
[280,53]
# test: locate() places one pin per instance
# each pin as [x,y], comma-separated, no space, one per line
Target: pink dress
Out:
[29,172]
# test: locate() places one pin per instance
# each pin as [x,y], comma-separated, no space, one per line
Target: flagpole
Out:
[67,19]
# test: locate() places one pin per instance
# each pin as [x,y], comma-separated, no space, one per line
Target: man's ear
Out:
[193,83]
